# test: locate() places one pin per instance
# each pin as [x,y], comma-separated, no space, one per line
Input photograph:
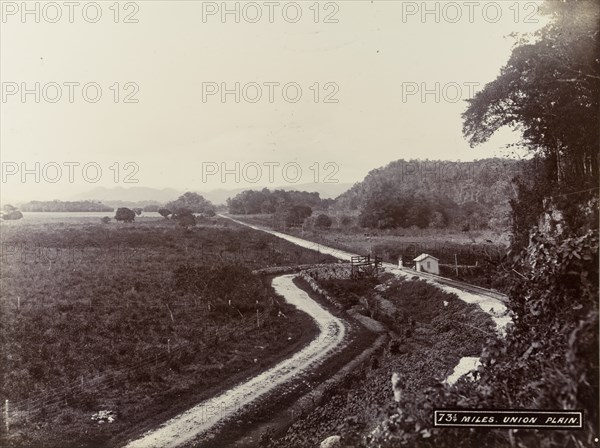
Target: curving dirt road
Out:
[208,414]
[492,306]
[204,417]
[487,302]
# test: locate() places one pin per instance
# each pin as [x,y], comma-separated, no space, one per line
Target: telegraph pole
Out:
[6,416]
[456,264]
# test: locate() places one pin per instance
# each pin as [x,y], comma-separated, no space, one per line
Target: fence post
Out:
[6,415]
[456,264]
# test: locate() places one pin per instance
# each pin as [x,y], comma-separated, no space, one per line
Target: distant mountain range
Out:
[139,196]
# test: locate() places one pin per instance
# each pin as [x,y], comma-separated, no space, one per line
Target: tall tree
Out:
[549,88]
[192,201]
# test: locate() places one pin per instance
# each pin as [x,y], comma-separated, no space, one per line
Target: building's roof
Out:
[423,256]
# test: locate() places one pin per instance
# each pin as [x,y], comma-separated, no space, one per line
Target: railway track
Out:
[454,283]
[346,256]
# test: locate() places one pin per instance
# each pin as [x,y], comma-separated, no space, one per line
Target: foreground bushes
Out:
[548,360]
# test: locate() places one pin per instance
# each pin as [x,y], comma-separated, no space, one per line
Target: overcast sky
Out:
[371,60]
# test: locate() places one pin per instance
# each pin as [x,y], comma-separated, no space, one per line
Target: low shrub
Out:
[349,291]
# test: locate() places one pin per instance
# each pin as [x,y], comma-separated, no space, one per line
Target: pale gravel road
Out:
[205,416]
[496,309]
[208,414]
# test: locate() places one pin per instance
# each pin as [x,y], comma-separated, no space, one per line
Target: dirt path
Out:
[488,302]
[340,254]
[205,416]
[495,308]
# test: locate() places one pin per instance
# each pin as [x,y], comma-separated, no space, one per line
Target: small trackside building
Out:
[427,263]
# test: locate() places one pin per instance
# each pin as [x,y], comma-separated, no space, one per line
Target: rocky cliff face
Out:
[553,222]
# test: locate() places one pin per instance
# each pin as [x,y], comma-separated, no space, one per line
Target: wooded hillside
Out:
[438,194]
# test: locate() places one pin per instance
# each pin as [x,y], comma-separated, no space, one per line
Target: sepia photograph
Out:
[299,224]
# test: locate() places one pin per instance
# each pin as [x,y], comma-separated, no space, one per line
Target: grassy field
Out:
[139,319]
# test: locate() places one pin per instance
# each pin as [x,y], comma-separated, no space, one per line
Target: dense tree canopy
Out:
[10,213]
[193,202]
[251,202]
[164,212]
[323,222]
[185,217]
[435,194]
[295,215]
[125,214]
[549,88]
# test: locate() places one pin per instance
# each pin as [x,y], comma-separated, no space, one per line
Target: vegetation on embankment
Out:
[430,339]
[548,359]
[141,319]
